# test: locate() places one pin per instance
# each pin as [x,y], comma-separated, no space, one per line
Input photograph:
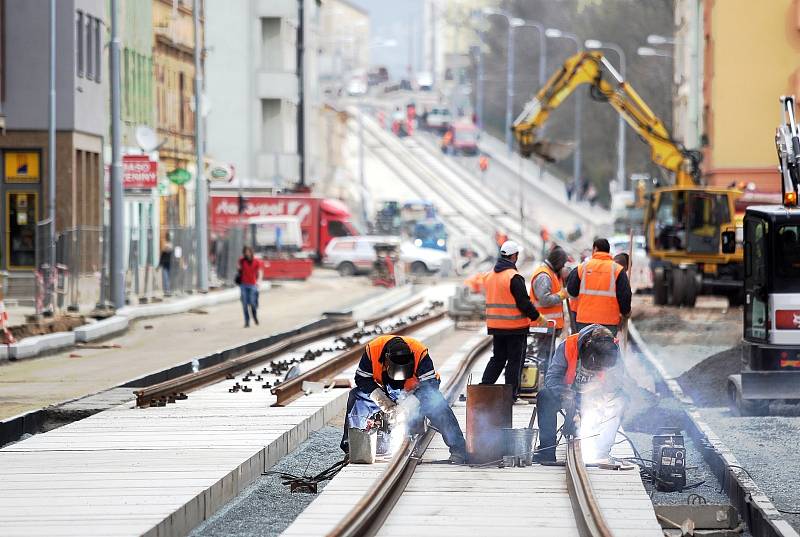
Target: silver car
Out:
[355,255]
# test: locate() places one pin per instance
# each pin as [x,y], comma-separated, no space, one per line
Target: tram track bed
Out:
[754,456]
[160,470]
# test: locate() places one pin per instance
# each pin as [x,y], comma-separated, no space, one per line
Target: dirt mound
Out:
[706,382]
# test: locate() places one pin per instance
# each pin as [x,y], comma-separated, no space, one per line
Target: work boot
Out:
[547,456]
[458,457]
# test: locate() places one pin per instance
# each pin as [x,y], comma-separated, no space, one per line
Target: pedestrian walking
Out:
[509,312]
[602,288]
[165,266]
[248,277]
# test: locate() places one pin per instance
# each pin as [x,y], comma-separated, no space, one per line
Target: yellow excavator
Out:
[684,222]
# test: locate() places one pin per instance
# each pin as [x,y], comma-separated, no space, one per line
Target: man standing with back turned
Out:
[602,288]
[509,312]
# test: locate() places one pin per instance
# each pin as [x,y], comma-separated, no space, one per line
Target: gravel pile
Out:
[267,508]
[707,381]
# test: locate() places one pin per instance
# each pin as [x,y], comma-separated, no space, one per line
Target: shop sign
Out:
[22,166]
[139,172]
[222,173]
[179,176]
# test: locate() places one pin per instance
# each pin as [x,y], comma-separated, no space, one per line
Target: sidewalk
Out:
[151,345]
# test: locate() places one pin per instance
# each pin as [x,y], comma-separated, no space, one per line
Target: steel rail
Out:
[588,515]
[167,390]
[292,389]
[368,515]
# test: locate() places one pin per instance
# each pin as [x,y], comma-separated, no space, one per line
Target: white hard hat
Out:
[509,248]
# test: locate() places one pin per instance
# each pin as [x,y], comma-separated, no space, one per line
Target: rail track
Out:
[176,389]
[367,516]
[474,216]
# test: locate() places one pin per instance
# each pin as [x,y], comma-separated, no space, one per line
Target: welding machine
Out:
[539,350]
[669,460]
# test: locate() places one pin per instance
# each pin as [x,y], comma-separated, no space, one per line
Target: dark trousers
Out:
[548,404]
[508,350]
[614,328]
[433,406]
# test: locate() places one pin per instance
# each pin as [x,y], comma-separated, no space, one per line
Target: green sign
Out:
[179,176]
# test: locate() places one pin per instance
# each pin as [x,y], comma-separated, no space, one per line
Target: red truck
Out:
[321,219]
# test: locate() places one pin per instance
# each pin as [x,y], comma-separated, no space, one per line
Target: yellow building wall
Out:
[755,53]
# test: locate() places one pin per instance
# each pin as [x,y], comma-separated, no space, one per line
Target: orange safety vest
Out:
[374,350]
[571,354]
[555,313]
[598,293]
[573,304]
[501,308]
[476,282]
[483,162]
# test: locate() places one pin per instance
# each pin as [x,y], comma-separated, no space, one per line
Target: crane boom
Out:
[606,85]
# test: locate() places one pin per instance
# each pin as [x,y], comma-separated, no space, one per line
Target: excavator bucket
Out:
[549,150]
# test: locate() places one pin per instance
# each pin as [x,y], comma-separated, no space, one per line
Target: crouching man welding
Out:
[396,376]
[583,379]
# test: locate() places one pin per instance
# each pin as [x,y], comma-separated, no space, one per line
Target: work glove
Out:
[563,294]
[541,321]
[409,406]
[382,399]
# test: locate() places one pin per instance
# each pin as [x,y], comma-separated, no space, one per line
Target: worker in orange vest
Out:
[396,376]
[583,380]
[483,164]
[509,312]
[500,238]
[477,283]
[603,289]
[547,293]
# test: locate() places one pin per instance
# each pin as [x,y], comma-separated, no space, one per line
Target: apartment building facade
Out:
[81,125]
[254,90]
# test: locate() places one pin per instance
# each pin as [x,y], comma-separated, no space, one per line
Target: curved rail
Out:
[588,515]
[368,515]
[170,388]
[291,389]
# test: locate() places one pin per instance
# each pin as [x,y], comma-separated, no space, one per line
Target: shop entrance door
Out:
[20,240]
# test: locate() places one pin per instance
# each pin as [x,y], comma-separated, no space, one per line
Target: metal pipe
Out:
[51,158]
[200,187]
[117,249]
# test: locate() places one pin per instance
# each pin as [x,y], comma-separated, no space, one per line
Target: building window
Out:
[79,42]
[98,50]
[182,103]
[89,48]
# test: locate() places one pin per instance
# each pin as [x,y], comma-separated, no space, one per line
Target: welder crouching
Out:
[585,379]
[397,387]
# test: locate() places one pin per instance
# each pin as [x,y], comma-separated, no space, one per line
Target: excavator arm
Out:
[605,83]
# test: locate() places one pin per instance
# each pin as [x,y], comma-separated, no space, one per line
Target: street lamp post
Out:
[595,44]
[510,67]
[555,33]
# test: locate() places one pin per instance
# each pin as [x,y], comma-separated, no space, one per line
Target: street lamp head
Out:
[593,44]
[654,39]
[646,51]
[553,33]
[516,22]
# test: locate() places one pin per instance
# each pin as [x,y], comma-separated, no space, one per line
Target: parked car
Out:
[438,119]
[356,255]
[641,276]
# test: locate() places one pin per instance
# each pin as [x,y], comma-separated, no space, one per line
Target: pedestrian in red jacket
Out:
[249,275]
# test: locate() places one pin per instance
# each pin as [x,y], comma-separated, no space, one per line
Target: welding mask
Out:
[599,351]
[398,359]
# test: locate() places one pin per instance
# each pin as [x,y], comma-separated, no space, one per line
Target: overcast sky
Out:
[400,20]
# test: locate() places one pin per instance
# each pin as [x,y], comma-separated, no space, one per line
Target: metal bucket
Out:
[519,444]
[363,445]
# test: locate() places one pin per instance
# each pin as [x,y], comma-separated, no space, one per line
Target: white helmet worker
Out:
[509,248]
